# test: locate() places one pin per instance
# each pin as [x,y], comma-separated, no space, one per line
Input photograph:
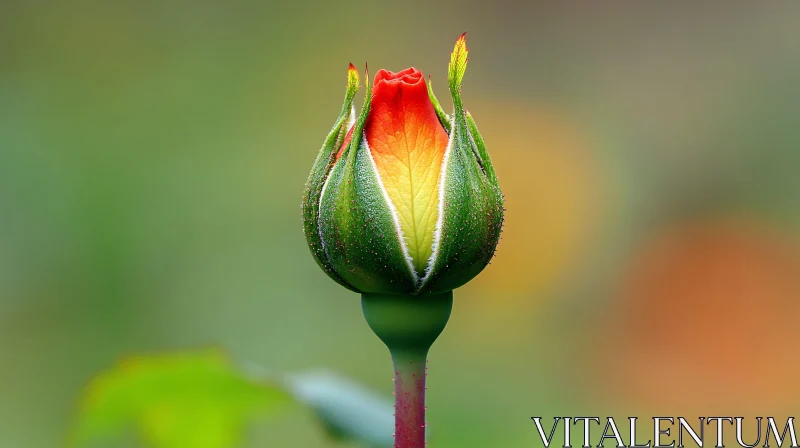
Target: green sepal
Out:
[483,154]
[319,173]
[472,217]
[357,227]
[444,120]
[456,69]
[473,204]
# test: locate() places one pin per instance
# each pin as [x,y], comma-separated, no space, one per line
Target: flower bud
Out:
[404,198]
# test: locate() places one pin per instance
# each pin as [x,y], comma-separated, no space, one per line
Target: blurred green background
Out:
[153,155]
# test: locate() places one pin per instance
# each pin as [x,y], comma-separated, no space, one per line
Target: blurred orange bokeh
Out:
[707,314]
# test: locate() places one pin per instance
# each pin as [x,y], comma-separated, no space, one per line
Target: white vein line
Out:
[393,210]
[324,186]
[437,233]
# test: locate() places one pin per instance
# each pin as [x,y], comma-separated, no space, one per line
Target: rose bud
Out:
[404,198]
[402,205]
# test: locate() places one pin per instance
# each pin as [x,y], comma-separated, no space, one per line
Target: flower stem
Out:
[409,396]
[408,325]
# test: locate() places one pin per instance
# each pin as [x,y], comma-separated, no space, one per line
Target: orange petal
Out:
[408,144]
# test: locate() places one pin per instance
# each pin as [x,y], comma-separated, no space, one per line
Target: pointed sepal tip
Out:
[352,79]
[458,62]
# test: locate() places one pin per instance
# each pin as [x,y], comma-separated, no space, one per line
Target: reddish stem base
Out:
[409,395]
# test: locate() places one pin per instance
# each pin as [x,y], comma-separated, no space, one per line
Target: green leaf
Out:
[189,400]
[346,409]
[202,400]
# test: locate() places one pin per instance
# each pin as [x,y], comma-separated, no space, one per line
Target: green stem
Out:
[408,325]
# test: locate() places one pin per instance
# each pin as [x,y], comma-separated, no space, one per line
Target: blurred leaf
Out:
[201,400]
[189,400]
[347,409]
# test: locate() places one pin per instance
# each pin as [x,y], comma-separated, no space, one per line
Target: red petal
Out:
[347,138]
[408,143]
